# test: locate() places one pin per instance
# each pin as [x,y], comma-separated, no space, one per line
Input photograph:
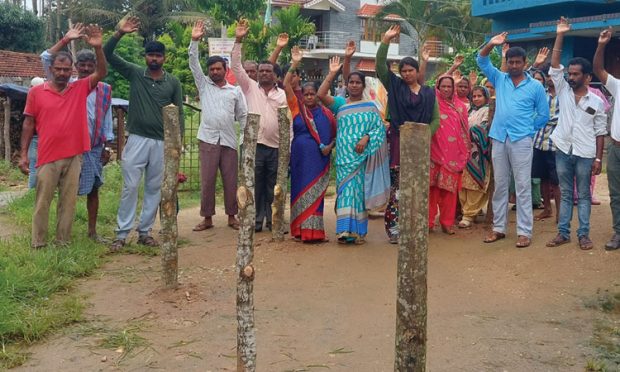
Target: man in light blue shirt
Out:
[521,110]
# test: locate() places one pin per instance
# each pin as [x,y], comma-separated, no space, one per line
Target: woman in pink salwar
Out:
[449,154]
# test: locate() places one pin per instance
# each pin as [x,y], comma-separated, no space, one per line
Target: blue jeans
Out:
[572,168]
[32,159]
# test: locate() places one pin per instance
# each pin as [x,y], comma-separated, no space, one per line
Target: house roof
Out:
[310,4]
[366,65]
[369,11]
[15,64]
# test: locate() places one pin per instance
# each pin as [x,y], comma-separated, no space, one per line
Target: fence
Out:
[190,162]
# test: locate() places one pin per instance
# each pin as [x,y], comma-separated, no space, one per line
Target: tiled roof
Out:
[366,65]
[286,3]
[25,65]
[369,11]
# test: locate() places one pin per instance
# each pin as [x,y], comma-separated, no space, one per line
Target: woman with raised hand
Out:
[314,136]
[449,155]
[361,156]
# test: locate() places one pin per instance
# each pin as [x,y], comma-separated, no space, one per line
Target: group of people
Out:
[541,125]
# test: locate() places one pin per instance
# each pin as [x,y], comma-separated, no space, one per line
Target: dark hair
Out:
[61,56]
[410,61]
[484,91]
[287,67]
[309,84]
[154,47]
[85,55]
[465,78]
[251,62]
[360,75]
[515,52]
[586,66]
[215,59]
[268,63]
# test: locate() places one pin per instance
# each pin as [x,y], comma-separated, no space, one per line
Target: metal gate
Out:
[190,162]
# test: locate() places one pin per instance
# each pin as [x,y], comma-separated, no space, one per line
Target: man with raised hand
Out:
[222,105]
[613,150]
[263,98]
[99,109]
[521,110]
[578,137]
[57,109]
[151,88]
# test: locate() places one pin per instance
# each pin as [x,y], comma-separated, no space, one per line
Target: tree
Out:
[177,59]
[22,31]
[256,44]
[291,21]
[229,11]
[130,49]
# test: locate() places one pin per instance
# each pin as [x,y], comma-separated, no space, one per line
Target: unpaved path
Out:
[490,308]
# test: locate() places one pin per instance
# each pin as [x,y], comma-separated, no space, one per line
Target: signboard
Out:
[220,46]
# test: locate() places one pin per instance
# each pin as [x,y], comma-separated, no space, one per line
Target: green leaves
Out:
[22,31]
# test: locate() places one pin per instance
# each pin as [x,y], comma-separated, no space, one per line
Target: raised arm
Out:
[381,59]
[281,43]
[495,41]
[194,54]
[75,32]
[504,64]
[541,57]
[235,59]
[458,61]
[94,37]
[125,26]
[349,51]
[562,28]
[296,56]
[599,56]
[483,60]
[473,78]
[426,55]
[323,93]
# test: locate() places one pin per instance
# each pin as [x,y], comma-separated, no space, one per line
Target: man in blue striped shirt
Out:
[521,110]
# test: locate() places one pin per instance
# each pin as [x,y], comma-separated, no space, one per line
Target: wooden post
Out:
[7,128]
[246,337]
[172,156]
[120,136]
[279,192]
[411,281]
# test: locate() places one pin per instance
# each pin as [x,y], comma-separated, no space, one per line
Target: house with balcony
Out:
[531,24]
[338,21]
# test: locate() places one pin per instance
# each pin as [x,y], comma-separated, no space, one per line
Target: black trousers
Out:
[265,174]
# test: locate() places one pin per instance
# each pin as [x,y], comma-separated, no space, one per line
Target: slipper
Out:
[447,230]
[523,241]
[464,224]
[148,241]
[585,244]
[494,236]
[558,241]
[203,226]
[234,225]
[116,245]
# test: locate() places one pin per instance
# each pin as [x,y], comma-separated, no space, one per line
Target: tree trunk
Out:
[246,337]
[7,129]
[412,259]
[279,193]
[172,156]
[35,7]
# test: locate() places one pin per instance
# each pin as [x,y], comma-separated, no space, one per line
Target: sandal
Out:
[116,245]
[148,241]
[232,225]
[494,236]
[447,230]
[558,241]
[203,226]
[464,224]
[585,243]
[523,241]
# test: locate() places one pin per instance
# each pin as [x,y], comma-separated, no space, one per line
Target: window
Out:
[373,30]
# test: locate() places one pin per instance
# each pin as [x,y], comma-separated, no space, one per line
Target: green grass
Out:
[606,337]
[10,176]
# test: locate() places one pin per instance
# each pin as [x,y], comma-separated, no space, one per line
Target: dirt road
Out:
[491,307]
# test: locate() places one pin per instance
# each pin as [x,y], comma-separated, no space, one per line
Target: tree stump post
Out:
[246,336]
[279,192]
[172,156]
[7,129]
[413,248]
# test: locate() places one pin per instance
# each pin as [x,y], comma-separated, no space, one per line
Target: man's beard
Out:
[154,66]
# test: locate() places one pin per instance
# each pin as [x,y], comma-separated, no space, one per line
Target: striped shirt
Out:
[541,138]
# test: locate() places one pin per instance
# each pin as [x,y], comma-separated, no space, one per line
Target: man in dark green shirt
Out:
[151,88]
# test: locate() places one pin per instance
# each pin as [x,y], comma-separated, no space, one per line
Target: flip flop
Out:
[523,241]
[202,226]
[234,225]
[494,236]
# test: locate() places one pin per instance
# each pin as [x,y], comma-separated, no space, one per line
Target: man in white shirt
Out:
[613,151]
[579,137]
[222,104]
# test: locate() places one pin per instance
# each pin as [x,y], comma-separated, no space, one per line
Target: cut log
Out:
[279,192]
[7,129]
[172,156]
[246,336]
[413,248]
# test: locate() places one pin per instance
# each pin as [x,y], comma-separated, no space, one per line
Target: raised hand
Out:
[391,33]
[76,31]
[199,30]
[563,26]
[129,25]
[426,52]
[499,39]
[458,76]
[349,50]
[94,35]
[605,36]
[473,77]
[296,55]
[458,60]
[242,29]
[282,40]
[541,57]
[334,64]
[505,48]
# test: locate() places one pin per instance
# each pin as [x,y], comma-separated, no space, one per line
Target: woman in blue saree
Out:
[362,164]
[314,132]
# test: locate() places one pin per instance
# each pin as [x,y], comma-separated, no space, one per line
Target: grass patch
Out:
[126,341]
[606,337]
[11,176]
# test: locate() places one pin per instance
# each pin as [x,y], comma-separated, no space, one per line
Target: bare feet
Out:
[543,215]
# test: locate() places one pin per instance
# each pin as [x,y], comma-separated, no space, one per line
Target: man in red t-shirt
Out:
[57,109]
